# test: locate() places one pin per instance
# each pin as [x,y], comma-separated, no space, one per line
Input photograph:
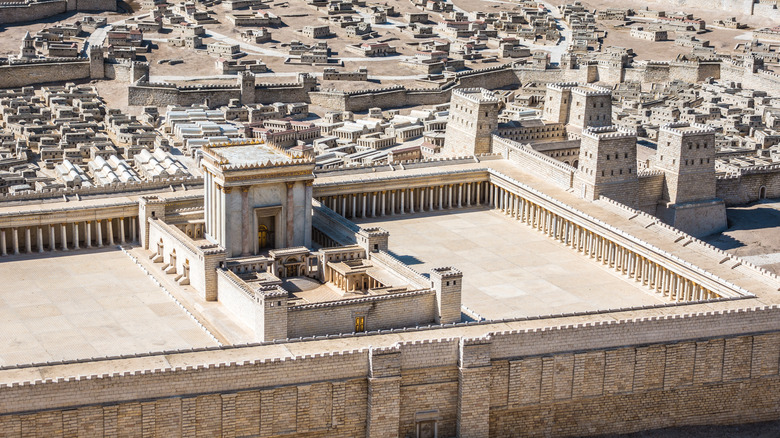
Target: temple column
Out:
[15,239]
[431,195]
[122,230]
[110,231]
[449,196]
[411,200]
[39,236]
[392,202]
[27,240]
[402,193]
[88,234]
[99,234]
[353,212]
[373,204]
[382,210]
[246,246]
[3,250]
[441,197]
[64,233]
[75,235]
[468,194]
[478,186]
[289,215]
[52,240]
[343,211]
[365,199]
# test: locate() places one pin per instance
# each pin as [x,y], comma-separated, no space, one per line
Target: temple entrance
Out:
[262,236]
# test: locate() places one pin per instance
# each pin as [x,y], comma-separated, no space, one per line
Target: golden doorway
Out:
[262,236]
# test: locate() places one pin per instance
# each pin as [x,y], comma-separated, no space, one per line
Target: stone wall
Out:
[737,190]
[382,312]
[539,164]
[601,377]
[21,12]
[22,75]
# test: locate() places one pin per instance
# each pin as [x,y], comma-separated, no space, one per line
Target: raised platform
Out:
[82,304]
[509,270]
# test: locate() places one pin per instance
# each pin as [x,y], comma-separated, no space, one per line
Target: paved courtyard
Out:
[509,270]
[83,304]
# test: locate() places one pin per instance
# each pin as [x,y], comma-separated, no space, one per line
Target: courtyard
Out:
[61,306]
[509,270]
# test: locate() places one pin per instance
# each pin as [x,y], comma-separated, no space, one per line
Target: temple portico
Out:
[257,197]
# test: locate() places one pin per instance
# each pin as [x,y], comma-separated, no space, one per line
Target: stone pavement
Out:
[509,270]
[83,304]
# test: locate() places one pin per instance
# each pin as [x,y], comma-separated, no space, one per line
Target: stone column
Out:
[449,192]
[110,231]
[468,194]
[15,240]
[392,201]
[122,230]
[401,193]
[133,229]
[343,206]
[478,187]
[384,197]
[411,200]
[88,234]
[39,236]
[99,234]
[64,233]
[431,195]
[245,221]
[460,195]
[27,240]
[441,197]
[290,215]
[75,235]
[52,240]
[353,213]
[373,204]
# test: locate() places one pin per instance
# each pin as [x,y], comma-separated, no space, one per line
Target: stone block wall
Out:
[551,169]
[21,75]
[595,378]
[380,313]
[746,188]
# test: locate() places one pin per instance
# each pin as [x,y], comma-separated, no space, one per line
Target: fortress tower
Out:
[579,107]
[257,197]
[27,50]
[557,101]
[246,81]
[686,155]
[473,118]
[448,283]
[591,106]
[96,67]
[607,165]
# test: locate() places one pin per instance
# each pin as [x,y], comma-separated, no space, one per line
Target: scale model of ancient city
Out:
[388,218]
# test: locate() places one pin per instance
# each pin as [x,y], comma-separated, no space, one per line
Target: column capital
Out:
[290,184]
[244,189]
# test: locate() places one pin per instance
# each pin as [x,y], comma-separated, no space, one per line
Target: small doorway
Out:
[426,429]
[262,236]
[762,193]
[360,324]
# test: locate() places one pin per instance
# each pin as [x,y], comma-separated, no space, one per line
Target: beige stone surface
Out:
[86,304]
[509,270]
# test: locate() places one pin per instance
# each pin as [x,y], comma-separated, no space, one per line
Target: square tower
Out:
[686,155]
[257,197]
[557,101]
[447,282]
[590,106]
[473,118]
[607,164]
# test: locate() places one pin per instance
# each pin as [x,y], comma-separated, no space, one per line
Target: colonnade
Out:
[353,283]
[655,276]
[407,200]
[193,230]
[70,235]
